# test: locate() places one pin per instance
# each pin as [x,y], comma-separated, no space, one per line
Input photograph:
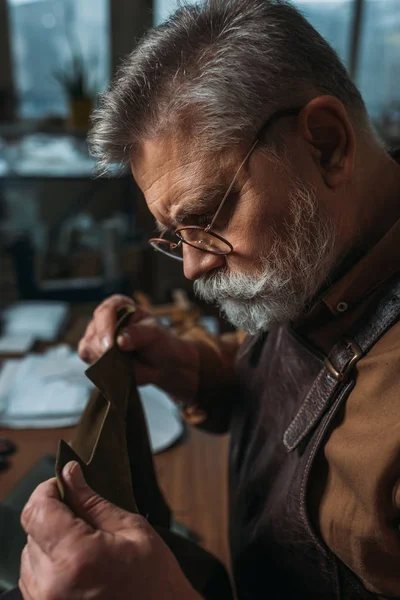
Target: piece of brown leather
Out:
[112,446]
[112,429]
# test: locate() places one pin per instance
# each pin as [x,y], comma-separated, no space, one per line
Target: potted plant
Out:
[80,93]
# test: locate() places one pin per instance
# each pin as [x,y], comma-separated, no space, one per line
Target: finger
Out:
[86,353]
[86,349]
[92,508]
[40,564]
[105,317]
[92,345]
[27,581]
[83,343]
[39,561]
[90,329]
[93,348]
[50,523]
[25,591]
[40,570]
[126,335]
[96,342]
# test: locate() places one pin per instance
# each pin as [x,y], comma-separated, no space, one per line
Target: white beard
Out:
[291,273]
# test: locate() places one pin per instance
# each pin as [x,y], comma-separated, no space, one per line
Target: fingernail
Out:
[73,473]
[105,342]
[123,339]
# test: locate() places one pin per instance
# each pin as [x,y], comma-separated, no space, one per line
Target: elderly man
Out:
[256,157]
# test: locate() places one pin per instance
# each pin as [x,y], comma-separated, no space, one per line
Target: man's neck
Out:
[379,210]
[381,200]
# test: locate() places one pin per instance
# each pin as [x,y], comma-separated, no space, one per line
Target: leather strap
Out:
[339,365]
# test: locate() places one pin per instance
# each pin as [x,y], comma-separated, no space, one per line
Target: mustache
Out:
[232,286]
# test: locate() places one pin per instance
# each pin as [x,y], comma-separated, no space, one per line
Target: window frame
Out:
[129,21]
[6,67]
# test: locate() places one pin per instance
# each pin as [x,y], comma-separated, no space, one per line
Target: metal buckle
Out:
[339,376]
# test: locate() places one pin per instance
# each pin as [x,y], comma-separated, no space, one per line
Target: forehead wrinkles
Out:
[163,181]
[177,177]
[189,188]
[199,198]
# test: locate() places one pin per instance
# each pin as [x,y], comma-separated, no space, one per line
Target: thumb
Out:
[92,508]
[127,338]
[138,335]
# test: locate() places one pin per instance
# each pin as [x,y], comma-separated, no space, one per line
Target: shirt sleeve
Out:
[359,473]
[216,385]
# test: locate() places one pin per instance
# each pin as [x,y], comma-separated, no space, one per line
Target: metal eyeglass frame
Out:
[285,112]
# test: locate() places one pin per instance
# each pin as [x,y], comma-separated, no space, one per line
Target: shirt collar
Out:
[376,267]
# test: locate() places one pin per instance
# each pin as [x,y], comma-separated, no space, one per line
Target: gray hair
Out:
[219,68]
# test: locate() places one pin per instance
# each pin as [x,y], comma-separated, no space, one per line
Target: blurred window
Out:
[333,20]
[378,75]
[378,72]
[55,38]
[162,9]
[46,35]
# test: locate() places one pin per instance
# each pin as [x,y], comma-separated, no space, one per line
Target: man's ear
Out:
[325,125]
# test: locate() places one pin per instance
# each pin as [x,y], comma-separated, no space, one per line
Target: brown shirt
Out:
[355,488]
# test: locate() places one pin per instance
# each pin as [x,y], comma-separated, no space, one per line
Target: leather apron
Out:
[288,398]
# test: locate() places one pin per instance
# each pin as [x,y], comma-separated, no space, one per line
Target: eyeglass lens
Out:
[197,238]
[203,240]
[174,250]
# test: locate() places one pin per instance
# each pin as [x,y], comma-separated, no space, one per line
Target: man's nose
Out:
[197,263]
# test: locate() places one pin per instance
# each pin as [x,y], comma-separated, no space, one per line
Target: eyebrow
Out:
[161,228]
[203,198]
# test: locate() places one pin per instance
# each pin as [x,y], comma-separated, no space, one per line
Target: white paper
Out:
[42,320]
[43,390]
[163,419]
[16,344]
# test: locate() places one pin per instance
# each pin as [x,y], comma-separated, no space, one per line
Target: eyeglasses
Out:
[205,238]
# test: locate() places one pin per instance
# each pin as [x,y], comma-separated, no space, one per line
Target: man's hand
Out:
[95,551]
[160,355]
